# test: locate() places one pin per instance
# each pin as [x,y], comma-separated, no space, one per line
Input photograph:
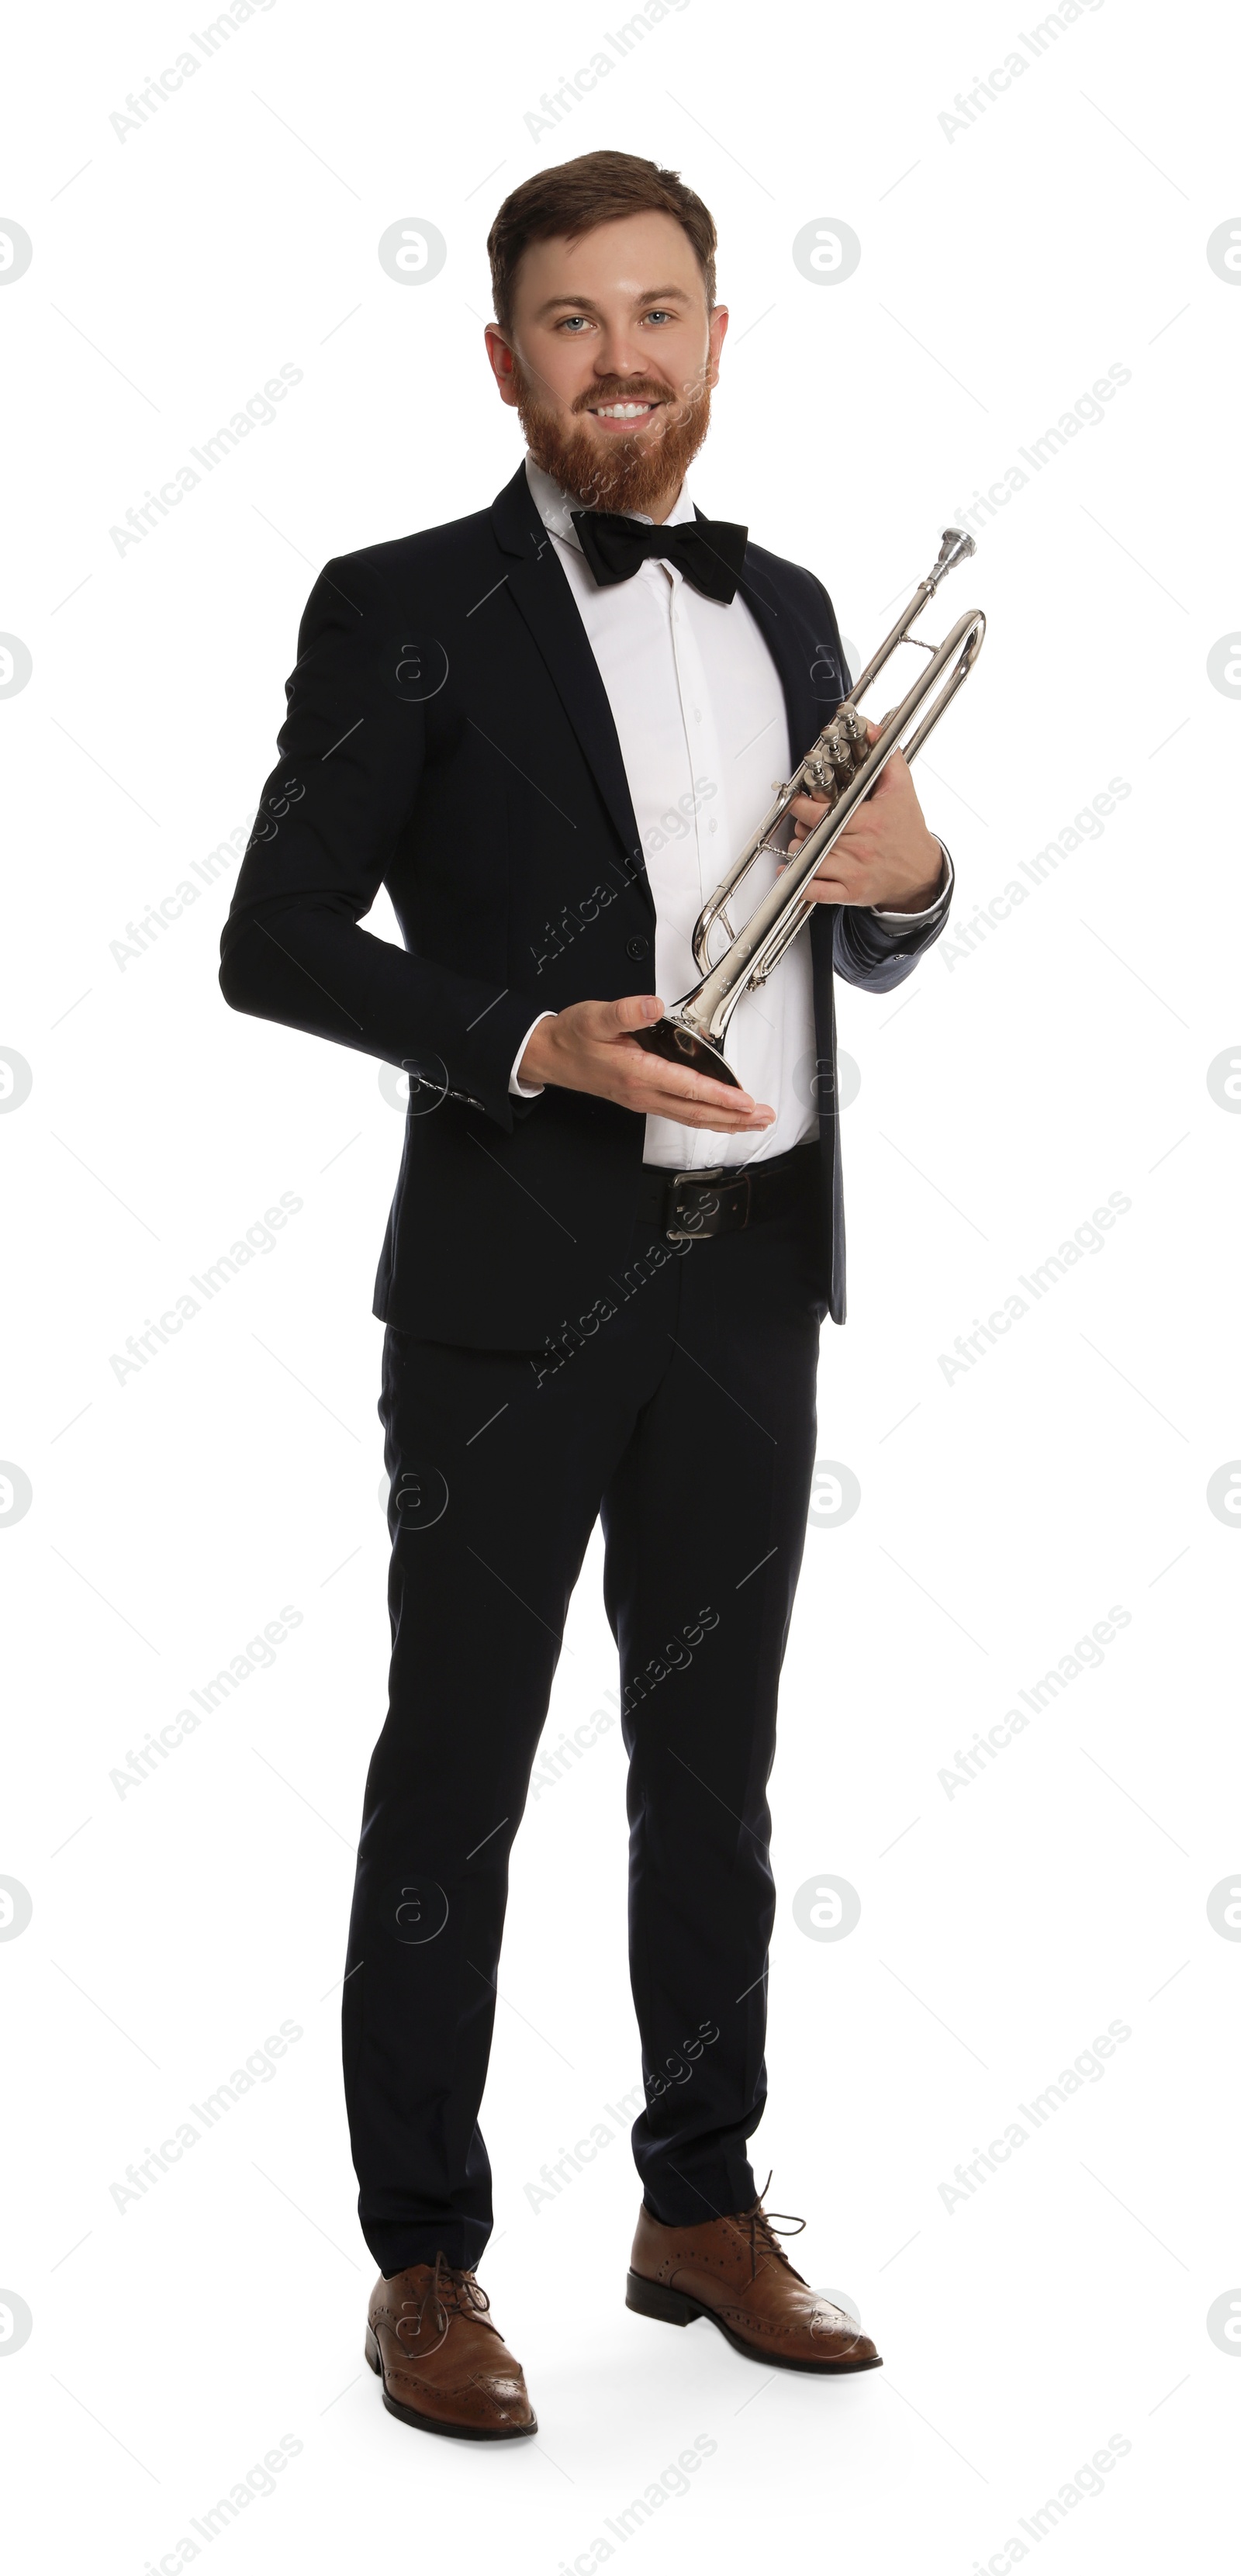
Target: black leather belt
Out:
[687,1206]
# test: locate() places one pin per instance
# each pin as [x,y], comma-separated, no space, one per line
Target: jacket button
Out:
[637,949]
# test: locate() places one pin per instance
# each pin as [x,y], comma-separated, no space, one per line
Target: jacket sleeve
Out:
[330,817]
[868,949]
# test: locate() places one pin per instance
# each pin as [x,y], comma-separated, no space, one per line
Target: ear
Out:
[501,361]
[715,341]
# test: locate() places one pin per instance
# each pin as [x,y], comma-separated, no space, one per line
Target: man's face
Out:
[610,360]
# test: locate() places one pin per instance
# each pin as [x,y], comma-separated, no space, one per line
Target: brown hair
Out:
[575,196]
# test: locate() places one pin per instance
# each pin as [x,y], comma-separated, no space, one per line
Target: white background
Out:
[1004,1095]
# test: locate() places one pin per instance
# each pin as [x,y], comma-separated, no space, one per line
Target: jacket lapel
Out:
[793,653]
[799,659]
[542,597]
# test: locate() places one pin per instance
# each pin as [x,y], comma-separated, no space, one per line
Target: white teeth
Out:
[622,411]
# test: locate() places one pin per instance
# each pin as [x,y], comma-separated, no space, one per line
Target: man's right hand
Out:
[589,1047]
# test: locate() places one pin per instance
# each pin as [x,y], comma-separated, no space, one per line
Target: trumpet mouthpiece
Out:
[955,548]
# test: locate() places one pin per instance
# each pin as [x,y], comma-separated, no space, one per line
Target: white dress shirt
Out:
[700,717]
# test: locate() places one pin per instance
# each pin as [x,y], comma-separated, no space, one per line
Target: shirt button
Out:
[712,825]
[637,949]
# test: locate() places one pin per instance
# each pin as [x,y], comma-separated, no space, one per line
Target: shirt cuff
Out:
[527,1090]
[911,919]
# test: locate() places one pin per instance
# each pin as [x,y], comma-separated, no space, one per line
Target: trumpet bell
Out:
[679,1044]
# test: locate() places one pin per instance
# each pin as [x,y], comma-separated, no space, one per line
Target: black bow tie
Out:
[707,552]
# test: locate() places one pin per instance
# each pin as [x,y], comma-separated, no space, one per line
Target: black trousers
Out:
[686,1419]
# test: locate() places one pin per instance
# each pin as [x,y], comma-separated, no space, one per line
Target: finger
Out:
[673,1094]
[716,1127]
[828,890]
[684,1084]
[828,870]
[710,1104]
[895,780]
[714,1121]
[693,1100]
[719,1110]
[851,839]
[633,1011]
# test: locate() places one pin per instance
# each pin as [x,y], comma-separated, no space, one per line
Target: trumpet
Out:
[841,767]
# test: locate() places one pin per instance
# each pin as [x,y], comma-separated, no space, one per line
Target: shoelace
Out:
[452,2289]
[763,2231]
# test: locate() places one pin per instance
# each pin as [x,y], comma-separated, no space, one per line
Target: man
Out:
[547,729]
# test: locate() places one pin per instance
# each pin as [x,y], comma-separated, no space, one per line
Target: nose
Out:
[618,353]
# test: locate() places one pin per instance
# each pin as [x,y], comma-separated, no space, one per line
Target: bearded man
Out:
[546,729]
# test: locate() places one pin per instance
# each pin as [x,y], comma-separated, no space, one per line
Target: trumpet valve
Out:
[837,749]
[818,778]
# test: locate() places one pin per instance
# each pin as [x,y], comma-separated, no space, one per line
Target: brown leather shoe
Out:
[735,2271]
[443,2365]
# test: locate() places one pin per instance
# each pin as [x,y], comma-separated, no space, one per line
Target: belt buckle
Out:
[696,1232]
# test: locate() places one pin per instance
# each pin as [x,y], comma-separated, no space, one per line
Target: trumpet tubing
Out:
[840,768]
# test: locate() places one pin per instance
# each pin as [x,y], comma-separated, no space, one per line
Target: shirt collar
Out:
[555,506]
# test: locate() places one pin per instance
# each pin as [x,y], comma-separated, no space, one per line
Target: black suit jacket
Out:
[449,737]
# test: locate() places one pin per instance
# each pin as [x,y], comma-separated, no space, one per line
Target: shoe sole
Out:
[676,2308]
[432,2423]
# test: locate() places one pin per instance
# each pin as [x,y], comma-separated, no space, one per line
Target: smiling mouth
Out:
[624,413]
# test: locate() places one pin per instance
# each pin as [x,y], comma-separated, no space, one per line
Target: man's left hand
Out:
[885,854]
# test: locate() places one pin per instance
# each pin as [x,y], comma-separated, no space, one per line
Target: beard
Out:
[610,473]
